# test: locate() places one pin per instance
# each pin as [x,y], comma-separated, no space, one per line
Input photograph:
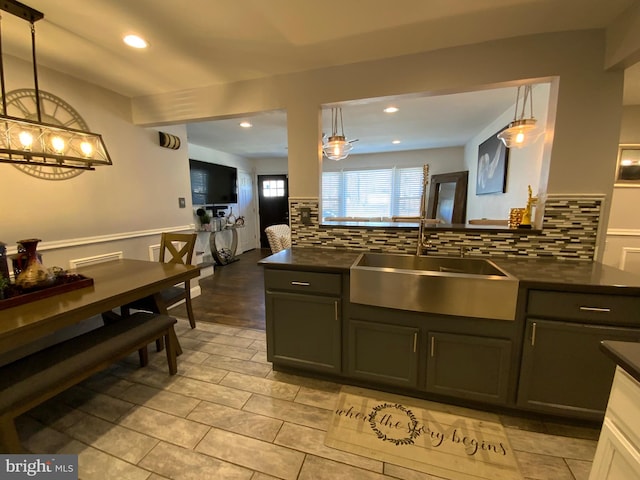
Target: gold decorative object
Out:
[526,215]
[515,217]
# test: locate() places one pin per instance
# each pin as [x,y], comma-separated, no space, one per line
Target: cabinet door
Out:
[564,371]
[383,353]
[470,367]
[304,331]
[616,458]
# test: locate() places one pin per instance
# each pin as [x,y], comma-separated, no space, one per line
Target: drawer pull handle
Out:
[533,334]
[433,346]
[415,342]
[301,284]
[595,309]
[335,304]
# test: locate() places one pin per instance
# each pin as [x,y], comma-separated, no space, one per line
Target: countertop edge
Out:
[531,273]
[625,354]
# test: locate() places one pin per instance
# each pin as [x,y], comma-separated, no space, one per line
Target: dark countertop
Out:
[297,258]
[534,273]
[625,354]
[570,275]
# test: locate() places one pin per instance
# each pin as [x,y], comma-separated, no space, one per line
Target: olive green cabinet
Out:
[468,366]
[383,353]
[303,320]
[563,370]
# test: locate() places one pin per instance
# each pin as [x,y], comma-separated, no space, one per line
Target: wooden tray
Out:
[64,283]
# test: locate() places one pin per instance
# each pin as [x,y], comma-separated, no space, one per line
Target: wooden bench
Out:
[40,376]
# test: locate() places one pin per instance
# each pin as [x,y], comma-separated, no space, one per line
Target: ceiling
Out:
[196,43]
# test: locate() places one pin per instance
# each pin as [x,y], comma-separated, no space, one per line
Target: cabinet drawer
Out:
[585,307]
[307,282]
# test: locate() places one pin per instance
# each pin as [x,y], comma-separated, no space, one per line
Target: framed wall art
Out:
[628,166]
[493,157]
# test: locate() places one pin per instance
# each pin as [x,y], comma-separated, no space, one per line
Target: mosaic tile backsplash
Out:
[569,231]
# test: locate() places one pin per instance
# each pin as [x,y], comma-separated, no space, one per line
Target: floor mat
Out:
[406,432]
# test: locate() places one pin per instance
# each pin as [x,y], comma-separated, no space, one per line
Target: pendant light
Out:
[27,141]
[337,147]
[522,131]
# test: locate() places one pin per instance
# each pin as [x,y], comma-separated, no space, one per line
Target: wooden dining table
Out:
[115,283]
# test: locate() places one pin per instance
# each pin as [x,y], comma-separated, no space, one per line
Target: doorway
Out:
[247,238]
[273,203]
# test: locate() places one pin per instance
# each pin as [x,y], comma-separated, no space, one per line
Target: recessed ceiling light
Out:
[135,41]
[246,124]
[391,110]
[395,142]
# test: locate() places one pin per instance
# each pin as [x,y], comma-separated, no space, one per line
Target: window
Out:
[384,192]
[273,188]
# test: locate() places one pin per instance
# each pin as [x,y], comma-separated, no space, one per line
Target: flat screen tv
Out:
[213,184]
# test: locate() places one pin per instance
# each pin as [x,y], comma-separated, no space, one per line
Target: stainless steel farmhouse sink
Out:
[467,287]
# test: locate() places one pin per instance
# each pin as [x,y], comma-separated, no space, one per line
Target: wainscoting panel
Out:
[630,259]
[154,253]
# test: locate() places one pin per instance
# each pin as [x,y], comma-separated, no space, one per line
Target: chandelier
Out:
[521,131]
[337,147]
[29,141]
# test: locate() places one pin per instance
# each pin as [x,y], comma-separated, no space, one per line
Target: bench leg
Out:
[160,343]
[171,352]
[143,353]
[9,441]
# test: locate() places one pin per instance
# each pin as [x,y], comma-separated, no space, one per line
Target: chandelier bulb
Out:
[26,140]
[86,148]
[58,144]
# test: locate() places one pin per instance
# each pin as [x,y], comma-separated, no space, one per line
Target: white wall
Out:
[122,207]
[622,247]
[271,166]
[249,211]
[524,165]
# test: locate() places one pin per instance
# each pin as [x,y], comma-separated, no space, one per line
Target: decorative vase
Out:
[33,274]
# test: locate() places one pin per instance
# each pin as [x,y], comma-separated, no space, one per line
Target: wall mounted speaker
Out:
[169,141]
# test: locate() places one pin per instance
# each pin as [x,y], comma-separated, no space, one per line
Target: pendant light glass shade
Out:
[336,147]
[522,131]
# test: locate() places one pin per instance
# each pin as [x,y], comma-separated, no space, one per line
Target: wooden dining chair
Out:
[174,248]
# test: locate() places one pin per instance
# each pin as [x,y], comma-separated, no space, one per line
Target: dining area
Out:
[51,341]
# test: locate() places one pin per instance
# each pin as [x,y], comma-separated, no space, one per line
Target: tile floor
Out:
[228,415]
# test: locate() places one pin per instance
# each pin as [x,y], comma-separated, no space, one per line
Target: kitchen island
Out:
[546,360]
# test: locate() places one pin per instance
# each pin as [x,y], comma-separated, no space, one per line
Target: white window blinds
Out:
[385,192]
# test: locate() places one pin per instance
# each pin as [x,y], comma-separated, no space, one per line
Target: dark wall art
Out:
[493,157]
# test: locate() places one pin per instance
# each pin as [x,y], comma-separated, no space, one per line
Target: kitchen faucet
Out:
[423,213]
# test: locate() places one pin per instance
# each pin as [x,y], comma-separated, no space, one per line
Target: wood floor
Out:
[234,295]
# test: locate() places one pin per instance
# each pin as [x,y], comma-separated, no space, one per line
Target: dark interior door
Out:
[273,203]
